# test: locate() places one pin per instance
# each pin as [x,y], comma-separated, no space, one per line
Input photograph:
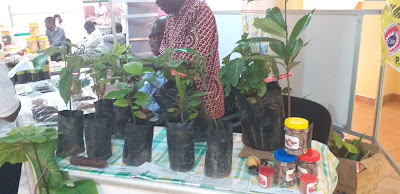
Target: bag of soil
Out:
[218,162]
[166,98]
[180,146]
[120,119]
[104,107]
[70,138]
[262,119]
[138,144]
[98,131]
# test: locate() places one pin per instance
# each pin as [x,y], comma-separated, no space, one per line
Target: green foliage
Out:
[37,145]
[352,150]
[65,84]
[269,26]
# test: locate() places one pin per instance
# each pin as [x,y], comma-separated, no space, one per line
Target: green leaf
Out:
[147,70]
[117,94]
[234,70]
[65,84]
[12,153]
[300,26]
[258,40]
[140,114]
[286,90]
[79,187]
[40,61]
[292,64]
[180,87]
[171,110]
[141,83]
[279,48]
[119,50]
[275,69]
[262,89]
[135,107]
[121,85]
[193,103]
[226,59]
[176,63]
[269,26]
[141,96]
[143,102]
[121,103]
[276,15]
[186,50]
[198,94]
[76,85]
[361,138]
[296,48]
[133,68]
[351,148]
[192,116]
[75,61]
[338,139]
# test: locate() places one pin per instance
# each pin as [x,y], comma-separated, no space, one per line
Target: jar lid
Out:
[43,38]
[5,32]
[266,171]
[308,178]
[31,39]
[311,156]
[296,123]
[282,156]
[33,24]
[22,34]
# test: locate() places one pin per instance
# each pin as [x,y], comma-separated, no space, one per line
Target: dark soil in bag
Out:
[263,119]
[104,107]
[120,119]
[70,138]
[98,136]
[138,144]
[218,162]
[180,146]
[165,98]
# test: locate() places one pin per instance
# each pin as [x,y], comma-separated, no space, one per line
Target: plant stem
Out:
[40,167]
[287,61]
[130,104]
[41,176]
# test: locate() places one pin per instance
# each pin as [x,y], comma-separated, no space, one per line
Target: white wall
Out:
[225,5]
[329,4]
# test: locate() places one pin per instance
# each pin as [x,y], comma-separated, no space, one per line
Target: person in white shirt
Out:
[93,38]
[9,109]
[108,40]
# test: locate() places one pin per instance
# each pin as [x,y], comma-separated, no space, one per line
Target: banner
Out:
[390,34]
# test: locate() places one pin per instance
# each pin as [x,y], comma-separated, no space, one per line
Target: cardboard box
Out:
[359,177]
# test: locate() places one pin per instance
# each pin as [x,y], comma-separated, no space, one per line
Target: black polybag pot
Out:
[263,119]
[180,146]
[165,98]
[120,119]
[104,107]
[97,136]
[70,138]
[218,162]
[138,144]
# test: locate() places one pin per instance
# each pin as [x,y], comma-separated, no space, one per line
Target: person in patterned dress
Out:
[185,16]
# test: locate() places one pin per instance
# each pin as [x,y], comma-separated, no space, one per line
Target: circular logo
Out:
[391,35]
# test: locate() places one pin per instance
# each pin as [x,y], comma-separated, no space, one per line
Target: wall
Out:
[330,4]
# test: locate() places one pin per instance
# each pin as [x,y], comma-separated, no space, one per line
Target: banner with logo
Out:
[390,20]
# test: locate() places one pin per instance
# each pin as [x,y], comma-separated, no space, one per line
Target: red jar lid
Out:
[266,171]
[311,156]
[308,178]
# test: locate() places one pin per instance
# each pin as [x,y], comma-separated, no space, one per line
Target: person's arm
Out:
[13,116]
[9,103]
[59,38]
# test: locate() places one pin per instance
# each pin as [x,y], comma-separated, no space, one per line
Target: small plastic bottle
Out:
[265,177]
[308,183]
[296,130]
[284,169]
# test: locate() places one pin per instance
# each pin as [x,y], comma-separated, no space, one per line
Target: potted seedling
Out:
[70,123]
[37,145]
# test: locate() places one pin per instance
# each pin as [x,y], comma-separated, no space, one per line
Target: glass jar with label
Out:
[6,38]
[296,130]
[284,169]
[308,184]
[34,30]
[32,44]
[309,163]
[43,42]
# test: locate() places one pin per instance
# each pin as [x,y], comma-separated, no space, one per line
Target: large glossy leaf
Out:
[276,15]
[294,55]
[119,50]
[40,60]
[79,187]
[117,94]
[12,153]
[292,64]
[351,148]
[234,70]
[139,114]
[176,63]
[141,96]
[269,26]
[143,102]
[147,70]
[279,48]
[300,26]
[65,84]
[338,139]
[121,103]
[30,134]
[134,68]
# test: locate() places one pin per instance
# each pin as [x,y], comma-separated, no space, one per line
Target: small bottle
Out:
[284,169]
[265,177]
[309,163]
[308,183]
[296,130]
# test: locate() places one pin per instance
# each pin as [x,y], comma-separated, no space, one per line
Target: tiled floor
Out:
[389,137]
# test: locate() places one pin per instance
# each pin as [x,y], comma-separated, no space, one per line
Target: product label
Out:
[292,142]
[311,188]
[262,180]
[290,175]
[302,170]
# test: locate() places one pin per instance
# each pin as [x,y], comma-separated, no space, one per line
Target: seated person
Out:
[108,40]
[93,38]
[56,36]
[155,39]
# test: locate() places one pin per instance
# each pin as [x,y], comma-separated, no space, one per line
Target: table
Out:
[156,177]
